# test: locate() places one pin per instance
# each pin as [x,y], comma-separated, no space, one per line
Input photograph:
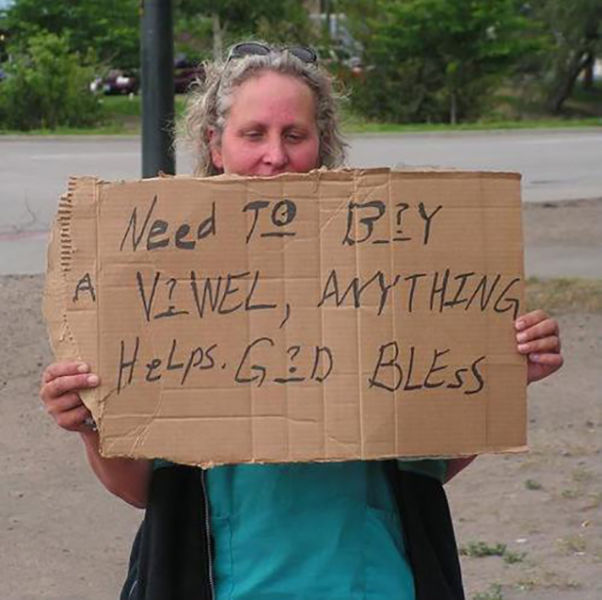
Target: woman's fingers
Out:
[550,360]
[62,368]
[543,328]
[61,382]
[542,365]
[546,344]
[74,419]
[64,403]
[69,412]
[529,319]
[538,337]
[67,383]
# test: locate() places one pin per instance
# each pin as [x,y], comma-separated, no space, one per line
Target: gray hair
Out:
[209,102]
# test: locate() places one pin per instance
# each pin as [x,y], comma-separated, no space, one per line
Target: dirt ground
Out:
[530,525]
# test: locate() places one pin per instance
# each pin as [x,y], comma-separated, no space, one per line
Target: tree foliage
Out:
[108,30]
[203,28]
[47,87]
[574,39]
[424,60]
[436,60]
[207,27]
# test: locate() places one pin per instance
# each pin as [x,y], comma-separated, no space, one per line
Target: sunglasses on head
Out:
[303,53]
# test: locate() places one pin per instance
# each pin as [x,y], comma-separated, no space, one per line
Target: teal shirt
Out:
[319,531]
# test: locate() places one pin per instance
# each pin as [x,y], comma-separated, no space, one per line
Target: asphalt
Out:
[556,165]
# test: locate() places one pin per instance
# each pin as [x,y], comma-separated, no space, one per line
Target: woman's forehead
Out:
[270,92]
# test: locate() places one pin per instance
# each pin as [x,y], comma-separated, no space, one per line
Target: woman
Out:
[375,529]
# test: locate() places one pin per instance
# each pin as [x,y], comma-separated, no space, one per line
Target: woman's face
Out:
[270,129]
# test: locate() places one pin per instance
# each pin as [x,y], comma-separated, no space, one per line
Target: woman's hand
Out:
[61,383]
[538,337]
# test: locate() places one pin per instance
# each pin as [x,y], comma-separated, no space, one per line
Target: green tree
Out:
[574,34]
[109,28]
[47,87]
[203,28]
[436,60]
[209,26]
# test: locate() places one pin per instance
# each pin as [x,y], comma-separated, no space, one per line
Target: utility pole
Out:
[156,49]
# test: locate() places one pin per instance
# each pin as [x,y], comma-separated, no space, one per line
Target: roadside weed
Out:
[581,475]
[480,549]
[493,593]
[572,544]
[569,493]
[511,557]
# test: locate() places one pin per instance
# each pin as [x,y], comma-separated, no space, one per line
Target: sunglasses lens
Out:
[247,48]
[303,53]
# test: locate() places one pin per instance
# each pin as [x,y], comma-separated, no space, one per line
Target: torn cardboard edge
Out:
[210,464]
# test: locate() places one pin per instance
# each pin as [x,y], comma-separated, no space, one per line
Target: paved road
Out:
[556,165]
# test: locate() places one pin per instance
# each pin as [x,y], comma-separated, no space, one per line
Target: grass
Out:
[481,549]
[527,585]
[570,493]
[565,295]
[581,475]
[353,124]
[582,478]
[512,558]
[572,544]
[531,484]
[115,129]
[493,593]
[122,117]
[508,111]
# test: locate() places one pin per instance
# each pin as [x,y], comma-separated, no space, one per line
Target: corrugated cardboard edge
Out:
[59,258]
[345,173]
[505,450]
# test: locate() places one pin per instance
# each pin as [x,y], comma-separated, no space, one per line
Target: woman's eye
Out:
[294,137]
[252,135]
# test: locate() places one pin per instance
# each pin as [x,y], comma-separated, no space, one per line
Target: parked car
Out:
[116,82]
[186,72]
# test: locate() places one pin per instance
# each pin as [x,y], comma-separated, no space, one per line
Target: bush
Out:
[47,87]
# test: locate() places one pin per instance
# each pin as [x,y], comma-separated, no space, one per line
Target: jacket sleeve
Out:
[170,557]
[429,535]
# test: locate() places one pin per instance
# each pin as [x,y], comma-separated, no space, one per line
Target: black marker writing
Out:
[125,364]
[84,285]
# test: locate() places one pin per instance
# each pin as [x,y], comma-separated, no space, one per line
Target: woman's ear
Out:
[215,149]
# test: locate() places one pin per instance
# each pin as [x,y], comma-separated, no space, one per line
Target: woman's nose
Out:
[275,153]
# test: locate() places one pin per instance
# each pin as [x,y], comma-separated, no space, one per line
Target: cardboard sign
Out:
[334,315]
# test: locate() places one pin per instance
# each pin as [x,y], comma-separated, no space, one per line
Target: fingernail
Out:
[523,347]
[92,380]
[519,324]
[83,368]
[521,337]
[534,357]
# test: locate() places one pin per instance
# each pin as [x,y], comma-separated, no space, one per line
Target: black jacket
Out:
[171,555]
